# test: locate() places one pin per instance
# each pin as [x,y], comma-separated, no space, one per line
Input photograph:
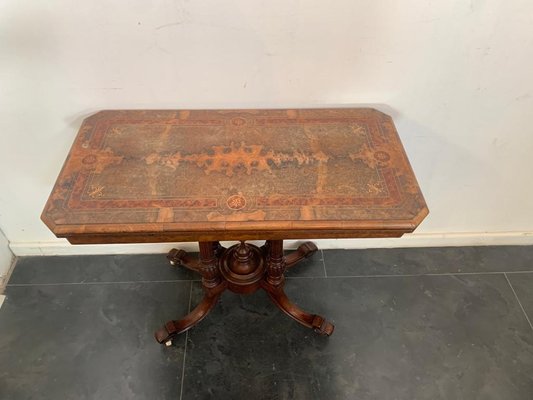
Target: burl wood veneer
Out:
[210,175]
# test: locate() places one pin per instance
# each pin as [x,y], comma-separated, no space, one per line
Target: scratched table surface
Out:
[187,175]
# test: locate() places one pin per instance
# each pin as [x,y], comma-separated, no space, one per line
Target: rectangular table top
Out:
[188,175]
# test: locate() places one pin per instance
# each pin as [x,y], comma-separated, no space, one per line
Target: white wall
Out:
[456,75]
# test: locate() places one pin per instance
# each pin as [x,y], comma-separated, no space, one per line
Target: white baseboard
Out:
[62,247]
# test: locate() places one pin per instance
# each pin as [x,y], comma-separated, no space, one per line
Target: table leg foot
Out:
[305,250]
[178,257]
[173,328]
[313,321]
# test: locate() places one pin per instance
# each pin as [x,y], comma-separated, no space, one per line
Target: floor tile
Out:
[428,337]
[102,268]
[523,287]
[426,260]
[90,341]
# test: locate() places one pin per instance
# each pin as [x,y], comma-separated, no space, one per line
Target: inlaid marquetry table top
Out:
[152,176]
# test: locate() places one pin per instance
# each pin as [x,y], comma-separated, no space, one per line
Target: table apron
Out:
[229,235]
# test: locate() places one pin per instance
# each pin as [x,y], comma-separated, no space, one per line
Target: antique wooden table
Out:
[206,176]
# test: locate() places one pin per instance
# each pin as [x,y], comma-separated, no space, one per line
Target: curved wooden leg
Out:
[173,328]
[180,257]
[305,250]
[313,321]
[213,257]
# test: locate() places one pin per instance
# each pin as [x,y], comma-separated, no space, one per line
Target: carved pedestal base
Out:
[242,268]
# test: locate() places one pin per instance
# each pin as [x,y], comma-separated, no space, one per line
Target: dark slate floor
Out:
[432,323]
